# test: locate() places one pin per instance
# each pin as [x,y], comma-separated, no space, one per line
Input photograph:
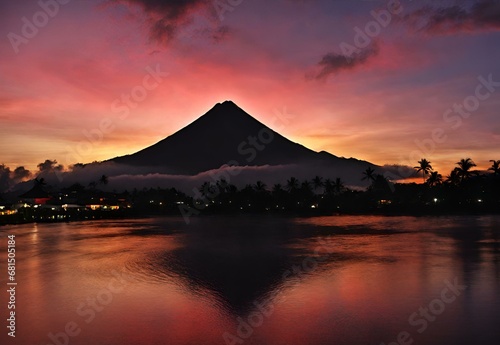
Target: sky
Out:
[389,82]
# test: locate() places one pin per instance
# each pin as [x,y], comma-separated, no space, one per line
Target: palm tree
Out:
[206,189]
[231,189]
[277,188]
[279,195]
[424,166]
[222,185]
[103,180]
[204,186]
[435,179]
[260,186]
[495,167]
[306,186]
[464,168]
[328,187]
[382,187]
[292,184]
[317,182]
[338,186]
[369,174]
[453,178]
[305,193]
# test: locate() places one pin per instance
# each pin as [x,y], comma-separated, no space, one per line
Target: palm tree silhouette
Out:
[279,195]
[382,187]
[103,180]
[317,182]
[260,186]
[277,188]
[464,168]
[369,174]
[338,186]
[305,193]
[306,185]
[453,178]
[231,189]
[328,187]
[292,184]
[495,167]
[424,166]
[206,189]
[222,185]
[435,179]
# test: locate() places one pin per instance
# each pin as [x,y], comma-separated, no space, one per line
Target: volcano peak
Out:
[226,133]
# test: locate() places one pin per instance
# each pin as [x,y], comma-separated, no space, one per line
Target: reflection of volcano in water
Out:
[240,262]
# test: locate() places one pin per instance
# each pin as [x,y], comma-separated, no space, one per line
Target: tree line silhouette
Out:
[463,190]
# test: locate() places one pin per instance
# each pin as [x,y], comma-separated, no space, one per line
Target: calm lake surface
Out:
[257,280]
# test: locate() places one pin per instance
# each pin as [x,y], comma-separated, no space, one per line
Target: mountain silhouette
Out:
[226,134]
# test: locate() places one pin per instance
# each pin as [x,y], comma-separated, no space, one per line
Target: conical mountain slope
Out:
[225,135]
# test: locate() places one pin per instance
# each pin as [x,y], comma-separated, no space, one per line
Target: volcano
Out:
[227,135]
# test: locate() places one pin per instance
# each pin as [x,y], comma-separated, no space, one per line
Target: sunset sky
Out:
[286,62]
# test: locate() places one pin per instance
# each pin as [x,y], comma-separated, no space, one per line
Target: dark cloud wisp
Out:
[482,15]
[332,63]
[165,18]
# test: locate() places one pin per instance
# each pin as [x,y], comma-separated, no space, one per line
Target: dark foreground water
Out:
[229,280]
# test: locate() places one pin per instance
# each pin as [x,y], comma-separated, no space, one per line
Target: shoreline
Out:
[17,219]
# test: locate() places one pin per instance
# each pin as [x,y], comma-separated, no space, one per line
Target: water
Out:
[257,280]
